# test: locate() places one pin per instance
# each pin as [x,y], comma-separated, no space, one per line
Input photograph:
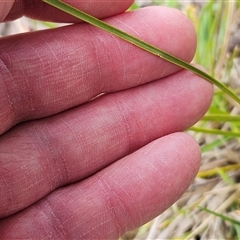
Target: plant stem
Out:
[139,43]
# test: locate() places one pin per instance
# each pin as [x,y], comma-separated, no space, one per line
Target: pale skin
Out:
[71,168]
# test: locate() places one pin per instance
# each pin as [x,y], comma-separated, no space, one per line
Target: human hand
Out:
[77,167]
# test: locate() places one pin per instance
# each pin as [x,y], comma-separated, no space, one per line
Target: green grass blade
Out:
[215,131]
[226,218]
[221,118]
[214,144]
[223,174]
[139,43]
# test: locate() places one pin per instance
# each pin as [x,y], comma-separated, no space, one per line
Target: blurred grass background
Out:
[216,187]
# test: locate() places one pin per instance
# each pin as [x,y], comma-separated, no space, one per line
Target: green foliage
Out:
[211,29]
[221,216]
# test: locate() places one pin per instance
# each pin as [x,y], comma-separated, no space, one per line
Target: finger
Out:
[122,197]
[74,145]
[48,72]
[5,8]
[40,10]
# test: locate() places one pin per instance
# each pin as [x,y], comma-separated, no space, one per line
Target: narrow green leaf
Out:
[223,174]
[139,43]
[216,143]
[215,131]
[220,215]
[221,118]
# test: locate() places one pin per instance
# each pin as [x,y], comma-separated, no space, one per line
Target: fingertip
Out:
[190,156]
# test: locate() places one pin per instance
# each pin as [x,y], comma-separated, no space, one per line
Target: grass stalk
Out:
[139,43]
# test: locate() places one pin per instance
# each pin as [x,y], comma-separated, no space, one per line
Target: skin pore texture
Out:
[92,141]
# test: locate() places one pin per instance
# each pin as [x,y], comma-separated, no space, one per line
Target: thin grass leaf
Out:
[237,229]
[216,143]
[221,118]
[139,43]
[220,171]
[220,215]
[215,131]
